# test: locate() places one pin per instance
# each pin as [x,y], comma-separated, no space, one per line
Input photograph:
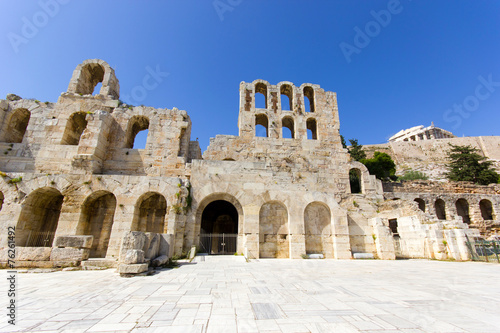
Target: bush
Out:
[381,166]
[413,175]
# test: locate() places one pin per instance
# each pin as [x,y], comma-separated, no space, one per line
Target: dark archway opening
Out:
[421,204]
[440,209]
[355,180]
[486,210]
[462,207]
[219,228]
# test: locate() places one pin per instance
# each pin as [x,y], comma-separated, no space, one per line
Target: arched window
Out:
[440,207]
[286,94]
[74,129]
[260,96]
[288,124]
[421,204]
[261,126]
[486,209]
[90,75]
[355,180]
[309,99]
[462,207]
[312,133]
[17,125]
[135,139]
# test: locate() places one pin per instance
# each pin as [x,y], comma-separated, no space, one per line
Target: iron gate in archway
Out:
[218,243]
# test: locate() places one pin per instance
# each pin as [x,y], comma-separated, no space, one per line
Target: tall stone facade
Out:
[74,187]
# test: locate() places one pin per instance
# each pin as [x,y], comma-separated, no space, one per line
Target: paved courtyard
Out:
[227,294]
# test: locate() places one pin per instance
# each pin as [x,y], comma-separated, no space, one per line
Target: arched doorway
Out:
[274,240]
[39,218]
[96,219]
[318,229]
[219,228]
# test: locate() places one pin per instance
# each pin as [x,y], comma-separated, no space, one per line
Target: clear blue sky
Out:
[410,71]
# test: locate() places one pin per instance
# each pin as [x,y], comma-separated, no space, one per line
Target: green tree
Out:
[356,150]
[381,166]
[342,140]
[467,165]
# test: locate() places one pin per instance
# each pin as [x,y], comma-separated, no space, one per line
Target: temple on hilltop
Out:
[419,133]
[74,187]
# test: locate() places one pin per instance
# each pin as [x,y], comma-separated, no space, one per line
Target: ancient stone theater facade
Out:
[74,187]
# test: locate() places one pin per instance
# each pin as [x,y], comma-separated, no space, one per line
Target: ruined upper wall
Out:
[92,133]
[310,109]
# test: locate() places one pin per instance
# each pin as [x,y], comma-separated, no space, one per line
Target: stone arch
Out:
[261,120]
[486,209]
[312,129]
[135,125]
[274,236]
[75,126]
[421,204]
[91,72]
[16,125]
[355,180]
[462,207]
[287,122]
[149,214]
[287,91]
[260,88]
[39,217]
[440,208]
[309,94]
[96,219]
[318,229]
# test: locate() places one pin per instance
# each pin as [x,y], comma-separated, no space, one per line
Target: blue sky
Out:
[394,64]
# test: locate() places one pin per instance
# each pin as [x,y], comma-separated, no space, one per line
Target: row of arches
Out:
[222,217]
[286,97]
[18,121]
[288,129]
[461,207]
[42,208]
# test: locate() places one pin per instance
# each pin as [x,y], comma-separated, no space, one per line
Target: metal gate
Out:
[218,243]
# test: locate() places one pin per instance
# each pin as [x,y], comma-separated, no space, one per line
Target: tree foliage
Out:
[467,165]
[381,166]
[342,140]
[356,150]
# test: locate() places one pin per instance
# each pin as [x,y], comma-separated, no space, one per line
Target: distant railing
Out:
[483,250]
[40,239]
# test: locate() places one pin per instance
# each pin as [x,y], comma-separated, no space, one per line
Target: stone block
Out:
[316,256]
[69,254]
[134,257]
[158,261]
[151,250]
[84,242]
[166,244]
[33,253]
[132,268]
[133,240]
[363,256]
